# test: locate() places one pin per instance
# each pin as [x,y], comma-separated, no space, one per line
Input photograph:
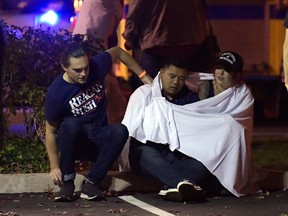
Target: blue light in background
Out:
[72,19]
[49,17]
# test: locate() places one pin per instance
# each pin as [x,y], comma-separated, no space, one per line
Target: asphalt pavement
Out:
[30,204]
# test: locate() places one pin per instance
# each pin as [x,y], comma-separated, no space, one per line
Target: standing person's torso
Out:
[170,23]
[99,18]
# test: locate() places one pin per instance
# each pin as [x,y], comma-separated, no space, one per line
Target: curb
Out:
[270,180]
[41,182]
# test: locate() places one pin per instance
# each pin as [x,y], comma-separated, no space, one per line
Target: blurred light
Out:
[72,19]
[77,5]
[49,17]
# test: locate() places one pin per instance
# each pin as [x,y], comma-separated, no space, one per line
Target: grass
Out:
[271,153]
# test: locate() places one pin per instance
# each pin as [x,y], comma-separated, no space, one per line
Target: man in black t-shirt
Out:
[76,119]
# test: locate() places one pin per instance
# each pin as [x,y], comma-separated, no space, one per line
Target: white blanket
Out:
[216,131]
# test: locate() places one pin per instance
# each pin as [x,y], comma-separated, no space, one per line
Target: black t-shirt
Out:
[185,96]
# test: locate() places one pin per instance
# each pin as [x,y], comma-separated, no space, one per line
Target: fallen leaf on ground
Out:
[49,189]
[263,195]
[260,197]
[83,205]
[61,213]
[41,204]
[115,211]
[10,214]
[174,212]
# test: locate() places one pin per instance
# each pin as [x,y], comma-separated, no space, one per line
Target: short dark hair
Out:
[74,50]
[177,62]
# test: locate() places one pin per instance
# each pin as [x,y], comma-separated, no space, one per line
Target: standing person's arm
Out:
[285,51]
[52,151]
[131,31]
[119,54]
[285,58]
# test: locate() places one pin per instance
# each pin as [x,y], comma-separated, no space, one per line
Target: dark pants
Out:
[91,142]
[170,167]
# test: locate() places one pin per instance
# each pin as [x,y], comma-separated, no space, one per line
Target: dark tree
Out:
[2,48]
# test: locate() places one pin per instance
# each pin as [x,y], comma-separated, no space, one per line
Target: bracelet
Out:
[142,74]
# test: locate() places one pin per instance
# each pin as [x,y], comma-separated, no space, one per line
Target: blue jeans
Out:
[170,167]
[88,141]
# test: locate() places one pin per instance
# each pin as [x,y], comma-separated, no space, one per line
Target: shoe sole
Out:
[173,196]
[189,192]
[65,199]
[94,198]
[164,192]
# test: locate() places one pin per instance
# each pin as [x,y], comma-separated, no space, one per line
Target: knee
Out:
[124,131]
[121,132]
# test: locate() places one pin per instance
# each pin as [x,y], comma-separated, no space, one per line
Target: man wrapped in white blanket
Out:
[215,132]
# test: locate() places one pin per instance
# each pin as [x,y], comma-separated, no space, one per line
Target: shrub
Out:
[23,155]
[30,65]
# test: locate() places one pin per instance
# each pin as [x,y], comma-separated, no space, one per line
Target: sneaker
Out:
[190,191]
[66,193]
[90,191]
[171,194]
